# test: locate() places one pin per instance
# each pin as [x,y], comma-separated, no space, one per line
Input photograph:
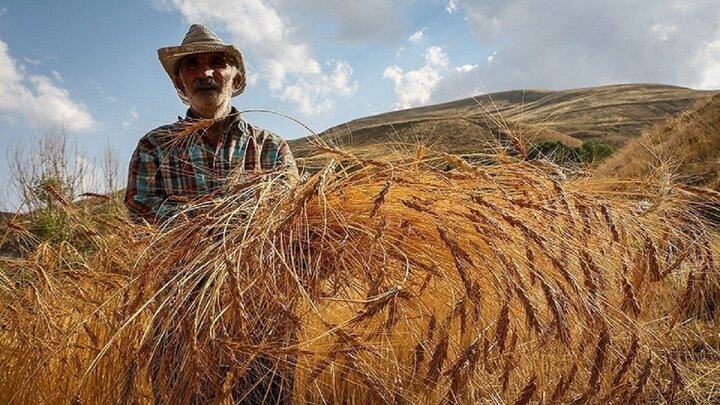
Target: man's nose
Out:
[208,72]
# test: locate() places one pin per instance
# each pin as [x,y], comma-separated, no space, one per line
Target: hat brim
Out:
[170,56]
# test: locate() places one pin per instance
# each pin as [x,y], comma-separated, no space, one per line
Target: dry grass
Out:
[377,281]
[685,146]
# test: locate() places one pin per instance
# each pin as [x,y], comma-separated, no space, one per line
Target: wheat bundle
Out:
[424,280]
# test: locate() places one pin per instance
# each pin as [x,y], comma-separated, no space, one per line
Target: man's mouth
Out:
[204,85]
[205,88]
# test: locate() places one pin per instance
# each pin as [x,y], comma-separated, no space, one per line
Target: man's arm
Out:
[143,195]
[274,154]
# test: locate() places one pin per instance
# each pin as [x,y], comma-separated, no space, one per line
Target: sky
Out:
[89,69]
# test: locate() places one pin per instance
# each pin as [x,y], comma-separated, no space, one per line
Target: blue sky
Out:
[90,68]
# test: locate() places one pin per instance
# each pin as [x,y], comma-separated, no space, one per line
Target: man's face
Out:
[207,79]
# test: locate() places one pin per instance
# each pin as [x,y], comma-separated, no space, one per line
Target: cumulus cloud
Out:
[451,6]
[284,62]
[435,82]
[37,100]
[306,93]
[566,43]
[417,37]
[415,87]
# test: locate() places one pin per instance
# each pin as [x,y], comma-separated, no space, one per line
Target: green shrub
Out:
[561,154]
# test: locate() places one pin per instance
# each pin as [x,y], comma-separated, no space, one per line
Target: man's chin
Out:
[209,105]
[207,98]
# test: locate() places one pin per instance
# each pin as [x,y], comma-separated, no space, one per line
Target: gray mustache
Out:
[205,84]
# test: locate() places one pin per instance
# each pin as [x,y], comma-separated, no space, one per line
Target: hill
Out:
[612,115]
[687,145]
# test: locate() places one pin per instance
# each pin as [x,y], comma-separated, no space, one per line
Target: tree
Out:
[52,165]
[52,169]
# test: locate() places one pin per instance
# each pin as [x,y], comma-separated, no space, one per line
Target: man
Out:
[197,155]
[174,163]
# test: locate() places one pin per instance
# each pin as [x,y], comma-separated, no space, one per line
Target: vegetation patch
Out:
[561,154]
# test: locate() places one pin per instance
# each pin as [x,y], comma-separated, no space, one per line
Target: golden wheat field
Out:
[423,279]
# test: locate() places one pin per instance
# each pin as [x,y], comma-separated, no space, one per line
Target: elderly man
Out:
[190,158]
[169,165]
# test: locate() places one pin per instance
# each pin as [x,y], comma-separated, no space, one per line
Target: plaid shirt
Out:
[166,168]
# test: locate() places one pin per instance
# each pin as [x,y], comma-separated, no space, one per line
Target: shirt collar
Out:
[233,111]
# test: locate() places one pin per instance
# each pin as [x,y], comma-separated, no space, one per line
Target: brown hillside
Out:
[609,114]
[688,144]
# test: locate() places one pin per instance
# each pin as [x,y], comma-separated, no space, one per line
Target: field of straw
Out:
[418,280]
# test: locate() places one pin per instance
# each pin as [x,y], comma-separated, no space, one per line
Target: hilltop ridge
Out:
[613,114]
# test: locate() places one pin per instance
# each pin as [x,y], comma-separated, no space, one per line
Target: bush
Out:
[559,153]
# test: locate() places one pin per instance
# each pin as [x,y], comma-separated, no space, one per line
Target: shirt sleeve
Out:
[275,154]
[143,196]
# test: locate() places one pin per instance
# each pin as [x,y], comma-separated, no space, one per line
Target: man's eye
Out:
[217,62]
[189,64]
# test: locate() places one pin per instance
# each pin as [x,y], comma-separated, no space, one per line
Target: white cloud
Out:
[31,61]
[8,70]
[131,118]
[710,78]
[311,96]
[465,68]
[435,82]
[435,56]
[252,77]
[57,76]
[284,62]
[415,87]
[451,6]
[417,37]
[3,11]
[36,100]
[565,43]
[458,82]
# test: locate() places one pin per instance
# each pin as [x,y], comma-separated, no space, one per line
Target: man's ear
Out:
[179,83]
[237,80]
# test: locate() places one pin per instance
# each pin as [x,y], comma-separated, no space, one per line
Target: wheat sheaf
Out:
[423,280]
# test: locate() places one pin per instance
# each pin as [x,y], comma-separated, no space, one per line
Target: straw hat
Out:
[200,39]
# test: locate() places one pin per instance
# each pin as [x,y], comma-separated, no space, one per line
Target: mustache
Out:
[207,83]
